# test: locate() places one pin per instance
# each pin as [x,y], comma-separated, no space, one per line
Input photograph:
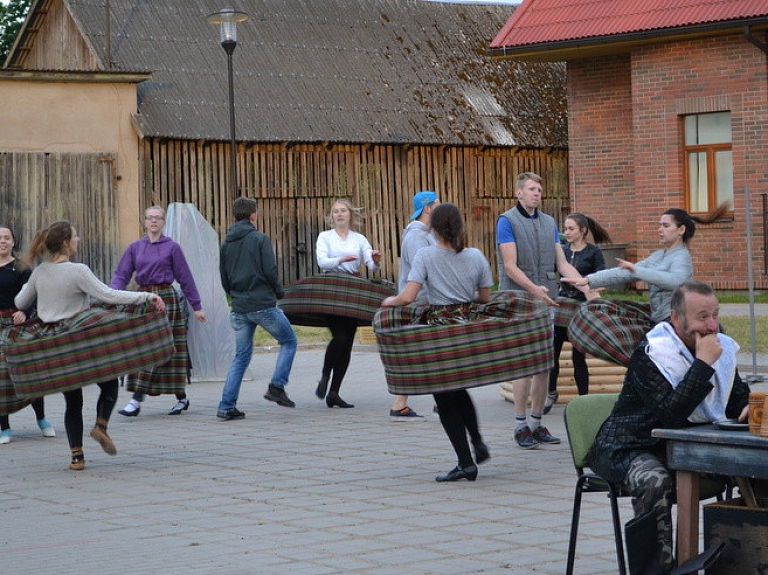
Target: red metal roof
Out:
[542,21]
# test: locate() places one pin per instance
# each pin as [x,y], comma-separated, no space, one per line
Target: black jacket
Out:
[248,269]
[647,401]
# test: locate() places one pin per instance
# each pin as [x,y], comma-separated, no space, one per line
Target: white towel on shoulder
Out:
[674,359]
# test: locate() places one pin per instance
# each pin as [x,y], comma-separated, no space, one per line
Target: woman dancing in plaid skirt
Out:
[13,275]
[63,289]
[341,250]
[454,274]
[157,262]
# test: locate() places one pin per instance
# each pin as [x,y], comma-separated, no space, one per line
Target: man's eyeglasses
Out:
[153,218]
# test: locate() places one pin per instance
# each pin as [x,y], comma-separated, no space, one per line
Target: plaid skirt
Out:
[311,300]
[171,376]
[9,401]
[565,310]
[610,329]
[428,349]
[98,344]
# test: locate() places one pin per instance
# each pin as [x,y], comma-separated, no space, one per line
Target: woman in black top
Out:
[13,275]
[586,258]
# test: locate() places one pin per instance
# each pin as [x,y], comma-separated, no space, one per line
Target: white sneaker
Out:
[5,436]
[46,428]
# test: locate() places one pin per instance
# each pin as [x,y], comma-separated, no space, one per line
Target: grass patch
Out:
[306,335]
[736,327]
[739,328]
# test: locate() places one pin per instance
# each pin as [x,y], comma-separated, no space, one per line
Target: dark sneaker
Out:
[227,414]
[525,439]
[550,401]
[278,395]
[405,414]
[542,435]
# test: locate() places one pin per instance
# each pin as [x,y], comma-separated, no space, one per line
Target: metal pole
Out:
[229,47]
[750,278]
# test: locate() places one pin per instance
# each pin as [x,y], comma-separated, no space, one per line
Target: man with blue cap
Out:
[416,236]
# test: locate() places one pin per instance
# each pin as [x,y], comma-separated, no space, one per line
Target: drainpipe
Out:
[751,37]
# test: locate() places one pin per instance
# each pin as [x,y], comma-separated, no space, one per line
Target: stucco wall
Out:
[77,117]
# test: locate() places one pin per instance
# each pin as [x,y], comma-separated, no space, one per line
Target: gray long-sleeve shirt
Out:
[663,271]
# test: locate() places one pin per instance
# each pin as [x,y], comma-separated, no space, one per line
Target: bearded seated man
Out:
[683,372]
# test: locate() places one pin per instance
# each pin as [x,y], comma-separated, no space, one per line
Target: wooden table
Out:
[704,449]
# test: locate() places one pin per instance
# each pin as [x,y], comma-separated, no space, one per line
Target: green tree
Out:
[12,16]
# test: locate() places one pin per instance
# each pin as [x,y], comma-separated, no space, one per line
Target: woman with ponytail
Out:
[608,330]
[455,275]
[63,289]
[587,258]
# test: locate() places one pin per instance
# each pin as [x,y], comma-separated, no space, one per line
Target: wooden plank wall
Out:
[37,189]
[295,186]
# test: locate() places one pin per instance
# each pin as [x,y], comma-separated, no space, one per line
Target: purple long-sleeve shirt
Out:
[159,262]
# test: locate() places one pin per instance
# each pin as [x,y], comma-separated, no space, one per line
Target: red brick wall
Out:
[626,164]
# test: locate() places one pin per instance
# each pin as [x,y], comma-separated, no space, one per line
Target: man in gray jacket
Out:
[529,253]
[416,235]
[249,276]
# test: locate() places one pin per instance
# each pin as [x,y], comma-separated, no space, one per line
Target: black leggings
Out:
[38,405]
[458,416]
[580,369]
[339,350]
[73,412]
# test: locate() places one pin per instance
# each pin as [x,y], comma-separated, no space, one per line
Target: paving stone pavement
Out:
[306,490]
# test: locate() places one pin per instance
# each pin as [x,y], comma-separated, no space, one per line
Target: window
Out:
[708,161]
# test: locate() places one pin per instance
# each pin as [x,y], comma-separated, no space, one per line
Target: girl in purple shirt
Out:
[157,262]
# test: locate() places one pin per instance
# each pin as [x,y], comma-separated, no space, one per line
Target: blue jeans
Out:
[275,323]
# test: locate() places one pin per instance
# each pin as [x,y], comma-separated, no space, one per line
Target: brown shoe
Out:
[78,460]
[99,433]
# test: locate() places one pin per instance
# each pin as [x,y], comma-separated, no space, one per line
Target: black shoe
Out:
[469,473]
[182,405]
[277,394]
[481,452]
[322,387]
[336,401]
[229,414]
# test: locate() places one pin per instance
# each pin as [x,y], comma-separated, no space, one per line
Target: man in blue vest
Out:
[529,253]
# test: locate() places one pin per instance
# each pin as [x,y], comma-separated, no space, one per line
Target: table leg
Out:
[687,515]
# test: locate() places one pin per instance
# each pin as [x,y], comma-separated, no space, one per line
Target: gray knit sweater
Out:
[63,290]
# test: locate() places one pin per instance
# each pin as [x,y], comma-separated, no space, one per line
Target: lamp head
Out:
[228,19]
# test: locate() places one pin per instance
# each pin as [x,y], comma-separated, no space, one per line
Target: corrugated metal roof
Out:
[380,71]
[546,21]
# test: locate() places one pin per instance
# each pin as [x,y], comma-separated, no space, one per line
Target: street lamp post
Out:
[228,19]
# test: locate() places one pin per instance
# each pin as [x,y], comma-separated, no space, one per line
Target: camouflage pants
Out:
[651,486]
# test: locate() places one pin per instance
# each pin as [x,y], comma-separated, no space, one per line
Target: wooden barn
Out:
[110,107]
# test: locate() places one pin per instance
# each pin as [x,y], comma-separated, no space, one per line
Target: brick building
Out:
[668,107]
